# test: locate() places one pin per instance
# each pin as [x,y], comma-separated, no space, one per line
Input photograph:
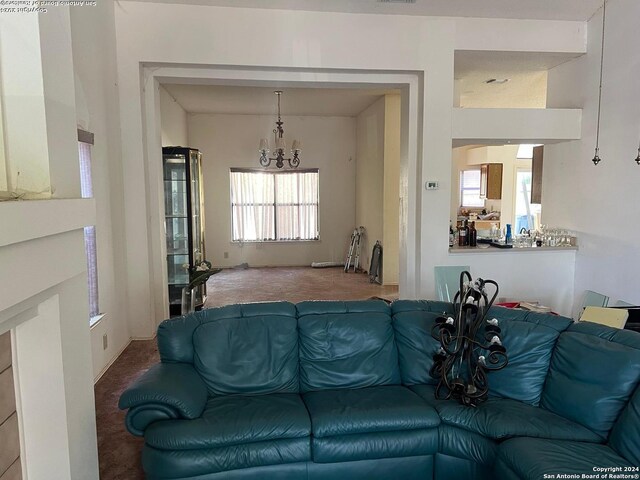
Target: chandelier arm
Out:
[264,160]
[295,161]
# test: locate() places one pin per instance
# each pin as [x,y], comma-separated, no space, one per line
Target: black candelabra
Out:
[470,344]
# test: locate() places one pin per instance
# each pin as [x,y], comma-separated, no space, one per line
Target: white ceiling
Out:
[475,62]
[527,74]
[525,9]
[262,101]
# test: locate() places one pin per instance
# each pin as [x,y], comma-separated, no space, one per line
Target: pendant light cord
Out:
[604,15]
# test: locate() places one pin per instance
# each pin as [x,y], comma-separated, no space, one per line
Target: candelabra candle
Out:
[470,344]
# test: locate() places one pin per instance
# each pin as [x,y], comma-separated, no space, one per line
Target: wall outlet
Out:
[105,341]
[226,254]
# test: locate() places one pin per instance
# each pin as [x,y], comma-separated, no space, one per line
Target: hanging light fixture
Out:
[596,159]
[280,145]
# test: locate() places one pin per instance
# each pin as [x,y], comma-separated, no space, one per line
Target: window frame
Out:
[274,204]
[461,188]
[87,138]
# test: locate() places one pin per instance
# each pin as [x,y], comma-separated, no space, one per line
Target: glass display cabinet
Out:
[184,222]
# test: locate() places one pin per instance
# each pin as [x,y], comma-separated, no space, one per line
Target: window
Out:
[527,215]
[274,206]
[470,181]
[86,189]
[526,151]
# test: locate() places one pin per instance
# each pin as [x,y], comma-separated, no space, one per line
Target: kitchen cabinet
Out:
[491,181]
[536,174]
[184,222]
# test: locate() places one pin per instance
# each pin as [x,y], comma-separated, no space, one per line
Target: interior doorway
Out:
[345,133]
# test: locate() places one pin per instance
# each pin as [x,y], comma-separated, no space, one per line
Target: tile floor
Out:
[119,451]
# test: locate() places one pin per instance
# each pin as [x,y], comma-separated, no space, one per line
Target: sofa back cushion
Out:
[253,352]
[594,371]
[529,339]
[626,432]
[346,345]
[412,323]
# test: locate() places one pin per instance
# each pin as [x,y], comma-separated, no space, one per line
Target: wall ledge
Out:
[32,219]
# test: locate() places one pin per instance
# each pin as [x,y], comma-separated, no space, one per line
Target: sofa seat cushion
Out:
[366,423]
[459,443]
[234,420]
[365,410]
[502,418]
[374,445]
[226,462]
[532,458]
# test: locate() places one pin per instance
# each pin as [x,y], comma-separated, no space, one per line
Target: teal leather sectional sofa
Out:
[341,390]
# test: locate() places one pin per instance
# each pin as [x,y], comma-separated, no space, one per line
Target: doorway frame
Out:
[410,84]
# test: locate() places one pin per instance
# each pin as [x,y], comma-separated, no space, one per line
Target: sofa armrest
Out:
[166,390]
[139,418]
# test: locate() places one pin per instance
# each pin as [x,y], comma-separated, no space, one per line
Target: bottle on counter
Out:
[462,234]
[473,235]
[508,237]
[451,235]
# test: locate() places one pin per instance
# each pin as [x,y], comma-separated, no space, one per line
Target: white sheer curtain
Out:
[274,205]
[252,205]
[297,206]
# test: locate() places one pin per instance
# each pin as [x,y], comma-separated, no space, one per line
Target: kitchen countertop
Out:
[490,249]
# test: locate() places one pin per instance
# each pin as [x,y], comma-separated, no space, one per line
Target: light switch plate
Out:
[431,185]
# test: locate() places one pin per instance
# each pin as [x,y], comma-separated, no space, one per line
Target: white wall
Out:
[544,276]
[391,207]
[378,183]
[3,165]
[173,121]
[94,63]
[329,143]
[600,203]
[50,243]
[369,185]
[315,45]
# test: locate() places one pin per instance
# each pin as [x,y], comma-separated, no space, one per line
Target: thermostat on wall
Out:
[431,185]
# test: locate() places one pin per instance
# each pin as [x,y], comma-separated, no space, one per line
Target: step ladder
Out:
[353,255]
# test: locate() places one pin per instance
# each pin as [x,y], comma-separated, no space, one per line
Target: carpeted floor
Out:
[119,451]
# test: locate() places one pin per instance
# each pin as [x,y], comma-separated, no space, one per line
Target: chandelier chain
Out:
[604,16]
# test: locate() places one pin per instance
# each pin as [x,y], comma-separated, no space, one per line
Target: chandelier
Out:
[280,145]
[470,344]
